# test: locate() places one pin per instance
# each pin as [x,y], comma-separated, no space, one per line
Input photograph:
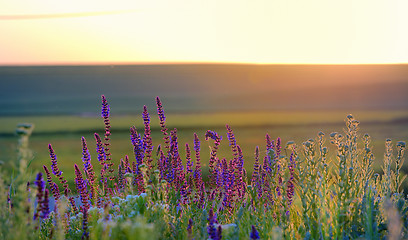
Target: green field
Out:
[64,132]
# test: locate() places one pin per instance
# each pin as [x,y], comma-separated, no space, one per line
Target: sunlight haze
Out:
[159,31]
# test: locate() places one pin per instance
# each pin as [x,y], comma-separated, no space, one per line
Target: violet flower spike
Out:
[86,158]
[255,174]
[137,145]
[232,142]
[80,183]
[290,192]
[254,233]
[162,119]
[219,233]
[197,171]
[54,164]
[189,228]
[189,163]
[100,149]
[39,182]
[212,232]
[213,155]
[45,209]
[105,107]
[105,115]
[147,139]
[278,147]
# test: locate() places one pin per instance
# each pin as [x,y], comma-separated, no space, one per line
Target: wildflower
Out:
[232,142]
[101,158]
[45,209]
[269,142]
[53,186]
[189,169]
[39,182]
[137,145]
[255,174]
[197,172]
[290,191]
[254,233]
[55,192]
[100,150]
[48,174]
[121,179]
[189,228]
[80,184]
[105,116]
[212,231]
[219,233]
[54,164]
[189,163]
[162,119]
[278,147]
[105,107]
[147,139]
[85,234]
[217,140]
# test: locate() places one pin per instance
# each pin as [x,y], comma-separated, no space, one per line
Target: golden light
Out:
[269,31]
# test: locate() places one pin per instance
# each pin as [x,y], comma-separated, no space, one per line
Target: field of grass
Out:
[64,132]
[320,188]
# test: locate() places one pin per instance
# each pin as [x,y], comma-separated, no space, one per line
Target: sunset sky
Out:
[168,31]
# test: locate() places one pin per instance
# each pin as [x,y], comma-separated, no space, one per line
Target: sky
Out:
[38,32]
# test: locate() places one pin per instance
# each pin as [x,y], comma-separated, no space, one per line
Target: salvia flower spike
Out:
[105,115]
[254,233]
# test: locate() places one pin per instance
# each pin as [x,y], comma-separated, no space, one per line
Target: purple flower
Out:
[53,186]
[121,174]
[213,155]
[39,182]
[45,209]
[213,135]
[189,228]
[105,115]
[254,233]
[189,163]
[255,174]
[162,119]
[54,164]
[56,192]
[85,234]
[268,142]
[161,164]
[137,145]
[86,159]
[147,139]
[212,220]
[290,190]
[278,147]
[100,149]
[219,233]
[197,172]
[232,142]
[80,184]
[105,107]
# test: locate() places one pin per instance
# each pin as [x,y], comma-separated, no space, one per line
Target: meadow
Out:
[323,187]
[250,128]
[275,155]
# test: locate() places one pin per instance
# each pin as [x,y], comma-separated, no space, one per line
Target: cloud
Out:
[63,15]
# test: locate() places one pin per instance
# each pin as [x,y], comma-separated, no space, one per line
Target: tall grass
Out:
[294,192]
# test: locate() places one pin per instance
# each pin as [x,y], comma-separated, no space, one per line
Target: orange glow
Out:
[236,31]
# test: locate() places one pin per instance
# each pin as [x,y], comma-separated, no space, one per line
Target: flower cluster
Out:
[167,185]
